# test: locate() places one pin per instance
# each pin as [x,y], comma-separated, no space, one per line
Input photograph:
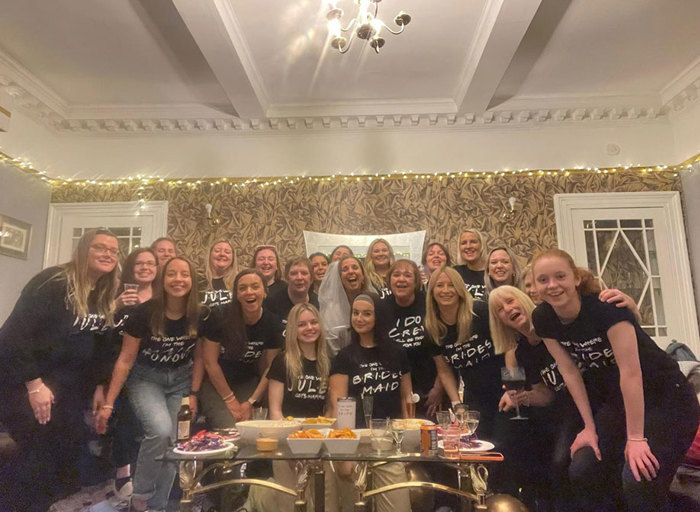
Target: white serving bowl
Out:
[305,446]
[411,436]
[318,426]
[278,429]
[342,446]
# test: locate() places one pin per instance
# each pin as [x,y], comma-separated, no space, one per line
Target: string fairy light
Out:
[144,181]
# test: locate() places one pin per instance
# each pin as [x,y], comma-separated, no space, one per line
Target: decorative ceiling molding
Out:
[684,89]
[42,103]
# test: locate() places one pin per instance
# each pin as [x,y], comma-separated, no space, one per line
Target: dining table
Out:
[204,473]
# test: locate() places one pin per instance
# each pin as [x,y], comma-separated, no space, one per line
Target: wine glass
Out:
[398,429]
[367,406]
[444,419]
[460,412]
[379,433]
[472,422]
[514,380]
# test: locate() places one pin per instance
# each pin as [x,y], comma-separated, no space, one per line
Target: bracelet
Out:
[229,397]
[33,391]
[110,407]
[641,440]
[252,401]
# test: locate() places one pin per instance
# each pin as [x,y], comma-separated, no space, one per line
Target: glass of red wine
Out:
[514,380]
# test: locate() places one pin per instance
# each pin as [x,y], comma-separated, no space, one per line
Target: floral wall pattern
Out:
[278,214]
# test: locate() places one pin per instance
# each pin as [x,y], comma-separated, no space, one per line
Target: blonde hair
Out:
[434,324]
[504,337]
[490,285]
[160,298]
[482,240]
[79,286]
[292,352]
[231,271]
[377,281]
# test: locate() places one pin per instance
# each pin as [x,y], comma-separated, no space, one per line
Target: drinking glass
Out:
[444,419]
[367,405]
[259,413]
[472,422]
[460,411]
[397,432]
[514,380]
[450,442]
[131,286]
[379,432]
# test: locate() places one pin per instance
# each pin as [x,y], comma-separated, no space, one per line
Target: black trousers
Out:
[670,423]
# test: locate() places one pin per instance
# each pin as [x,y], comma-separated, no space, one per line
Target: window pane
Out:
[636,238]
[590,252]
[605,240]
[651,244]
[650,331]
[631,223]
[649,223]
[136,231]
[623,270]
[606,224]
[658,301]
[587,224]
[77,232]
[120,231]
[645,309]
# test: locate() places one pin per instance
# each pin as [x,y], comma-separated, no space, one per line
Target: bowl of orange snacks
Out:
[306,441]
[342,442]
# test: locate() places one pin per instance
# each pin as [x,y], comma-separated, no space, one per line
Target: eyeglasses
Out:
[103,249]
[145,264]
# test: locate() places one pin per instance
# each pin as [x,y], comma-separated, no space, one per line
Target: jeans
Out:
[156,394]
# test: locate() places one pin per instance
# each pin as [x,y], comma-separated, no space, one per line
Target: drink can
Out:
[346,413]
[428,440]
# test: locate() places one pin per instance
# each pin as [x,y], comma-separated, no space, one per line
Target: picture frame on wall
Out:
[14,237]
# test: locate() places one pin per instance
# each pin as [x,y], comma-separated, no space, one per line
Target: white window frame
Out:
[670,203]
[156,210]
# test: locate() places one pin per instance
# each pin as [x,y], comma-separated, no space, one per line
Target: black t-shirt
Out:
[277,287]
[280,304]
[539,365]
[586,340]
[383,292]
[367,375]
[265,334]
[173,349]
[307,397]
[218,294]
[405,326]
[475,360]
[474,280]
[43,335]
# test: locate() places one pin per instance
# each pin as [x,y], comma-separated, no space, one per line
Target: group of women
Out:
[600,394]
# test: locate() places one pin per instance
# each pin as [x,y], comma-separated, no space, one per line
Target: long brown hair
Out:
[292,351]
[79,286]
[424,258]
[160,299]
[365,279]
[230,273]
[236,336]
[130,263]
[434,324]
[589,284]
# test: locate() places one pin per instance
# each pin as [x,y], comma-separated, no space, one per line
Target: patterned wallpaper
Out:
[278,214]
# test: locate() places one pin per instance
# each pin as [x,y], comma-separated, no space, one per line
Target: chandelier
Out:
[365,25]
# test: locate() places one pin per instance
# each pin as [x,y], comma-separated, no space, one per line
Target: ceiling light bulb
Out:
[376,26]
[511,202]
[334,28]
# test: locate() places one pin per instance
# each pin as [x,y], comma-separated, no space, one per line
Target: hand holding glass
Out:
[514,380]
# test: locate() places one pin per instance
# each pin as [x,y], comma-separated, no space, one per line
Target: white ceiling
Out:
[152,65]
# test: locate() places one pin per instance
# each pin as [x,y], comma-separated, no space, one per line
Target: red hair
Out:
[589,283]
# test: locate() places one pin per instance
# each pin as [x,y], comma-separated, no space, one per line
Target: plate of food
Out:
[202,444]
[318,423]
[472,446]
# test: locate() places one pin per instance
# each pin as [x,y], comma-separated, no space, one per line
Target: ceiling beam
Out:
[216,31]
[501,29]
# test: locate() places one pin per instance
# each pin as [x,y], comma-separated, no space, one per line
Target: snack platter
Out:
[202,444]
